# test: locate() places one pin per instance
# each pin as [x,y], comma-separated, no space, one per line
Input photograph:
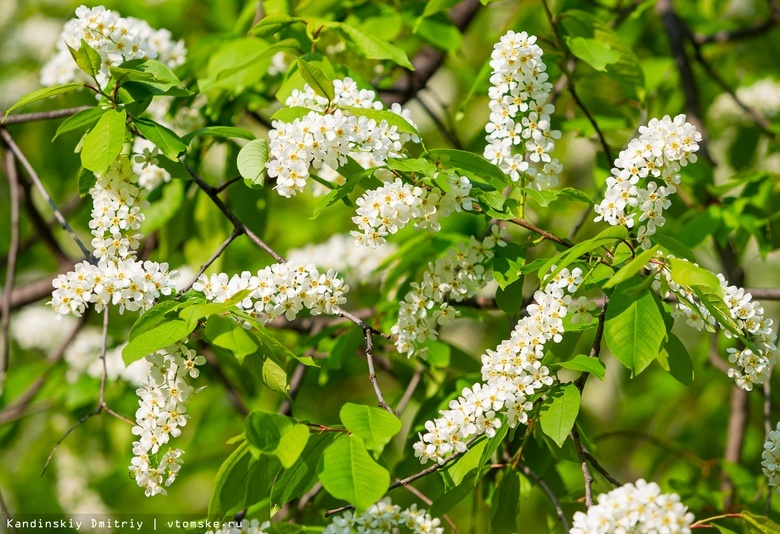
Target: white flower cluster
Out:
[770,458]
[145,165]
[639,508]
[763,96]
[115,38]
[662,148]
[327,136]
[458,275]
[118,278]
[160,416]
[387,209]
[246,526]
[385,517]
[520,86]
[748,315]
[356,265]
[280,289]
[364,159]
[511,374]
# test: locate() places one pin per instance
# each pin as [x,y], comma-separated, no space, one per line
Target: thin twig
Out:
[544,233]
[236,232]
[227,184]
[428,502]
[13,249]
[527,471]
[7,514]
[575,436]
[42,189]
[372,373]
[447,132]
[600,468]
[42,115]
[295,384]
[407,396]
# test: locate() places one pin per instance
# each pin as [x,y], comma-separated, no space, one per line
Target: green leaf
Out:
[374,425]
[143,78]
[760,524]
[575,195]
[565,258]
[83,119]
[373,48]
[559,411]
[336,194]
[316,79]
[230,335]
[505,508]
[103,144]
[230,483]
[631,268]
[379,115]
[292,113]
[634,328]
[166,140]
[597,54]
[675,359]
[278,350]
[543,198]
[165,207]
[87,180]
[251,162]
[507,264]
[219,131]
[420,165]
[154,339]
[466,161]
[274,376]
[586,364]
[510,298]
[688,274]
[298,479]
[193,314]
[348,472]
[272,24]
[40,94]
[152,317]
[88,59]
[277,435]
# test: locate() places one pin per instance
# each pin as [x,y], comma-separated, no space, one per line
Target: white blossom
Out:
[640,508]
[384,517]
[519,136]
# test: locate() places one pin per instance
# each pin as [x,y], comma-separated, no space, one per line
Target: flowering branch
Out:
[13,250]
[14,148]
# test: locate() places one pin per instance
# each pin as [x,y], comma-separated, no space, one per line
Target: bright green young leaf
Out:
[290,114]
[559,411]
[88,59]
[631,268]
[193,314]
[565,258]
[507,263]
[278,350]
[40,94]
[421,166]
[675,359]
[348,472]
[274,376]
[87,180]
[375,425]
[373,48]
[575,195]
[277,435]
[673,246]
[154,339]
[634,328]
[302,475]
[83,119]
[104,142]
[466,161]
[166,140]
[316,79]
[688,274]
[251,162]
[154,316]
[597,54]
[230,335]
[272,24]
[543,198]
[219,131]
[586,364]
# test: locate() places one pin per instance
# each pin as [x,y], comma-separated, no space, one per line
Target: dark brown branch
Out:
[13,249]
[575,436]
[527,471]
[236,232]
[372,373]
[544,233]
[9,142]
[41,115]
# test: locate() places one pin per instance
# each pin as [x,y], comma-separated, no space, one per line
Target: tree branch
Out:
[13,249]
[407,396]
[236,232]
[9,142]
[372,373]
[42,115]
[527,471]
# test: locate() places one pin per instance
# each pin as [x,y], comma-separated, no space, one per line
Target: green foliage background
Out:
[649,426]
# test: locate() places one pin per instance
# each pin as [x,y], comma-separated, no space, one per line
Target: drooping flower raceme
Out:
[749,366]
[117,39]
[640,508]
[118,278]
[386,517]
[387,209]
[161,415]
[770,458]
[456,276]
[510,375]
[329,133]
[281,289]
[654,158]
[520,114]
[356,265]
